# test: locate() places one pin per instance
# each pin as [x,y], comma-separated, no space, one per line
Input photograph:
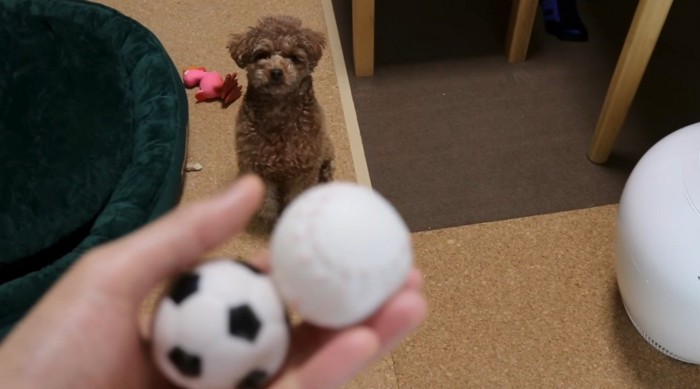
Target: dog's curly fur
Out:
[280,129]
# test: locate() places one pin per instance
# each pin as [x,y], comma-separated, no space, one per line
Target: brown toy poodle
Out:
[280,129]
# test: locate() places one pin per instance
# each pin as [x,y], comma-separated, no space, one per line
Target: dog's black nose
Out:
[276,74]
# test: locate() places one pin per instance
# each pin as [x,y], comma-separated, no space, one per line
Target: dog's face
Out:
[277,53]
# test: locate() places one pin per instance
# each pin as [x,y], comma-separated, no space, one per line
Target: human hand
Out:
[84,332]
[323,358]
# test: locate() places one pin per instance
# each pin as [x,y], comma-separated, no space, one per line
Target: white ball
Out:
[338,252]
[220,326]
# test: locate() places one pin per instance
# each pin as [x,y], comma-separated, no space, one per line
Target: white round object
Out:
[338,252]
[220,326]
[658,245]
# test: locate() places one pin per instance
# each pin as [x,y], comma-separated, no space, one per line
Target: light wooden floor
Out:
[522,303]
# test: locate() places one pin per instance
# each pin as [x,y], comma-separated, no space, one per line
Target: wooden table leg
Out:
[363,37]
[649,19]
[522,19]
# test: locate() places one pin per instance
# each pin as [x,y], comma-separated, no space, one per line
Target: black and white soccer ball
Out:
[221,326]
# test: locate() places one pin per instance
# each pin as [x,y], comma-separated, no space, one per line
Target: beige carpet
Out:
[522,303]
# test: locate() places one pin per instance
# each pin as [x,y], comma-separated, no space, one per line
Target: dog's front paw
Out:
[261,225]
[264,221]
[326,172]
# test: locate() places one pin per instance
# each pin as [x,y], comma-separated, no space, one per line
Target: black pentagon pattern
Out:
[184,287]
[243,323]
[256,379]
[187,364]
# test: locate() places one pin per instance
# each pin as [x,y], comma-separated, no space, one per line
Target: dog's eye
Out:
[261,55]
[295,59]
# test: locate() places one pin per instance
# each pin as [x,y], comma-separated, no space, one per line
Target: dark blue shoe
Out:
[561,19]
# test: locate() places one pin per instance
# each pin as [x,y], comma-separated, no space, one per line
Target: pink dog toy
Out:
[212,86]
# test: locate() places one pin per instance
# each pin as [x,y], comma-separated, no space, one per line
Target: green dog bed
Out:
[93,127]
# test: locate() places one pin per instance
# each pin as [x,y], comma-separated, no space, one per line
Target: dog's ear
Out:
[241,48]
[314,42]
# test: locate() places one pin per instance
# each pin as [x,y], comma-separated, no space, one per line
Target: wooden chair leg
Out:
[649,19]
[363,37]
[522,19]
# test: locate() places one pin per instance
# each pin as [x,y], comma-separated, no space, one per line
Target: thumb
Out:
[175,242]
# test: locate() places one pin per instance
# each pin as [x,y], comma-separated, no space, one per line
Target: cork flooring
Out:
[528,302]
